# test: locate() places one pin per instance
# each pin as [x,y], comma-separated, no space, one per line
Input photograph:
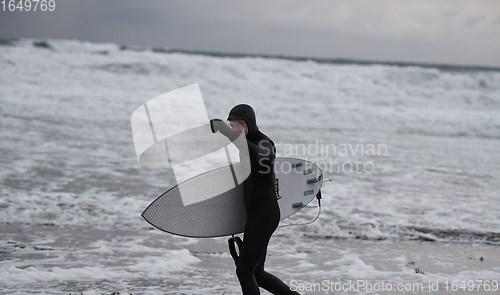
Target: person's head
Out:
[242,118]
[238,126]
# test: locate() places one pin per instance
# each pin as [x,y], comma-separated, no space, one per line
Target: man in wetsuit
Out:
[263,213]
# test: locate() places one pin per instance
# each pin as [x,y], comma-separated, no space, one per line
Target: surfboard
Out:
[298,181]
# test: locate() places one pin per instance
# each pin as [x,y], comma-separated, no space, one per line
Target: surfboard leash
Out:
[233,242]
[318,197]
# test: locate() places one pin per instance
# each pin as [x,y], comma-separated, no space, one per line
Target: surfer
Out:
[261,205]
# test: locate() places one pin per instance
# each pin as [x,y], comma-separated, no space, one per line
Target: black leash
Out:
[232,247]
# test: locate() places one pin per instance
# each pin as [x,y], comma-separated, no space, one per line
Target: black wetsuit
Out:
[263,213]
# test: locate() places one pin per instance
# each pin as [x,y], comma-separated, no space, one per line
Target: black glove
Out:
[215,124]
[223,128]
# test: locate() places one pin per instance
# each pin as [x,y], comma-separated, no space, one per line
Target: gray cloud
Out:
[451,31]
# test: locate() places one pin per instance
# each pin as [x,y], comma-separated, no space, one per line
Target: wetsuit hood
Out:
[246,113]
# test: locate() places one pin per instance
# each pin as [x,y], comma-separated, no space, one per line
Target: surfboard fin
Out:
[315,180]
[299,205]
[302,205]
[298,164]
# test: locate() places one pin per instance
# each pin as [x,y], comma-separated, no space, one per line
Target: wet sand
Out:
[34,258]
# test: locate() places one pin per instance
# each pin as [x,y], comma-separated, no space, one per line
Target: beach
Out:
[52,260]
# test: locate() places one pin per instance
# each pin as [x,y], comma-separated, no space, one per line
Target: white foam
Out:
[170,262]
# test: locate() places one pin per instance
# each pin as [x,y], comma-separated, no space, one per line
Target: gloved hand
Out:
[223,128]
[215,124]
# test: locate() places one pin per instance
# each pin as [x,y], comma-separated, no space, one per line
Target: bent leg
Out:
[258,230]
[262,220]
[251,253]
[270,282]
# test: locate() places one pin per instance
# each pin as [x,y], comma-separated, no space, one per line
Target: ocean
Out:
[412,152]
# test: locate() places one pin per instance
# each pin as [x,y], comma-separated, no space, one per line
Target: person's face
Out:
[238,126]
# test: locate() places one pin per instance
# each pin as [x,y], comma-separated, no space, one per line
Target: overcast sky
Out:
[432,31]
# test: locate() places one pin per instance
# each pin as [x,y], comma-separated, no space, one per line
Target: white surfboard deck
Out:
[225,214]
